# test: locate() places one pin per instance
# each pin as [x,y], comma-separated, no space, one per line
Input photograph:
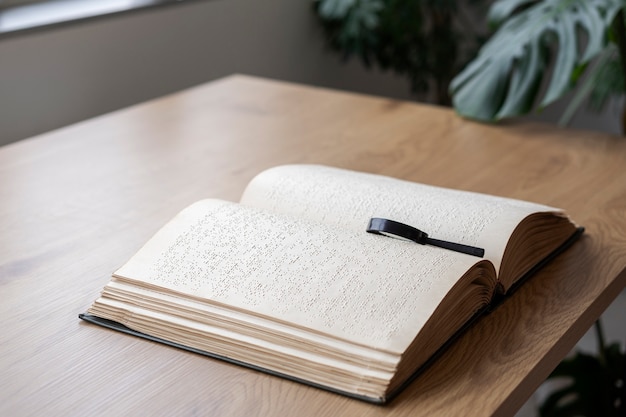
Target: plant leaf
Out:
[583,394]
[335,9]
[603,79]
[504,79]
[351,25]
[609,81]
[593,385]
[502,9]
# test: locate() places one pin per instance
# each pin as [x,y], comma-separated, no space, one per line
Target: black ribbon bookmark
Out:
[389,227]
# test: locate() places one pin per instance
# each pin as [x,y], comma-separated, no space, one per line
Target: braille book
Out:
[347,281]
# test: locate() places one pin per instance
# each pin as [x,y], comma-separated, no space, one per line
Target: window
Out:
[16,15]
[10,3]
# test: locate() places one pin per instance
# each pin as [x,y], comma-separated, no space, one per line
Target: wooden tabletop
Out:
[78,202]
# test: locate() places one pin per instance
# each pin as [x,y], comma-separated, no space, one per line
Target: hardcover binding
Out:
[498,299]
[110,324]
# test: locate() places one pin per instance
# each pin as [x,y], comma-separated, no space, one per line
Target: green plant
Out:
[428,41]
[576,39]
[596,385]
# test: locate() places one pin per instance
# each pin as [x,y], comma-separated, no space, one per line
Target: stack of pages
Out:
[288,280]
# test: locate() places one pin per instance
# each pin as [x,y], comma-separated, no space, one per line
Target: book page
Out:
[349,199]
[355,286]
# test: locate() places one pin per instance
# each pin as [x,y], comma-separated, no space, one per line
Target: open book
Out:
[289,282]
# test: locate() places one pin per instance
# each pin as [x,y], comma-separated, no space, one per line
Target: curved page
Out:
[348,199]
[366,289]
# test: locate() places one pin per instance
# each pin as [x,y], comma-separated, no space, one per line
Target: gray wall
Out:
[55,77]
[51,78]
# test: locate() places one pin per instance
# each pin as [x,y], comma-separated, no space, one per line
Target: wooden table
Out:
[77,202]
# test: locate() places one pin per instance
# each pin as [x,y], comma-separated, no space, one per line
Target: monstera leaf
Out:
[504,80]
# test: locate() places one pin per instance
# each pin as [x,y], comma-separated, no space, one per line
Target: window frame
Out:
[17,16]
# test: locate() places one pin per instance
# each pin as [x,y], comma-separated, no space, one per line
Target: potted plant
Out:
[541,49]
[428,41]
[554,44]
[594,385]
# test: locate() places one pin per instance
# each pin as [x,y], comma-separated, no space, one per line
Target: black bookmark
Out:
[390,227]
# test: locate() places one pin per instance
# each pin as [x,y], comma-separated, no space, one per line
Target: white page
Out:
[349,199]
[338,282]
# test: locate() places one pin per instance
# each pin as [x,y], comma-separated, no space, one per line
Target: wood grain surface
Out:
[79,201]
